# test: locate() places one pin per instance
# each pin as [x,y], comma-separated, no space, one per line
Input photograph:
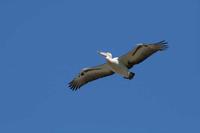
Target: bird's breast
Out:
[117,67]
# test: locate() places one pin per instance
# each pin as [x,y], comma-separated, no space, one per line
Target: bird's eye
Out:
[82,73]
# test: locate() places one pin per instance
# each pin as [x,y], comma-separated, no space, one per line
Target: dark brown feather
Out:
[88,75]
[142,52]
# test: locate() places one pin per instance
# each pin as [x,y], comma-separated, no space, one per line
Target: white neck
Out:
[108,57]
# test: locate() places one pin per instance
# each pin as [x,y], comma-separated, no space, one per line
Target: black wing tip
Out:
[73,86]
[162,44]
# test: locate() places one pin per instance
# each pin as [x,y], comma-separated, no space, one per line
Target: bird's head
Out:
[107,55]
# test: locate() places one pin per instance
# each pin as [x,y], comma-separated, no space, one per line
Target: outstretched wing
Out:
[141,52]
[90,74]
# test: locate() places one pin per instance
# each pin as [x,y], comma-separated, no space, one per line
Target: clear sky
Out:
[44,44]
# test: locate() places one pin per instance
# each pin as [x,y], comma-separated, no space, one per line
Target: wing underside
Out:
[142,52]
[90,74]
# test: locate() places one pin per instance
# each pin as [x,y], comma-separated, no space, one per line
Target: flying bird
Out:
[119,65]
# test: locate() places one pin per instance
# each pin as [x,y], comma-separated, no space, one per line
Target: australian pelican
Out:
[119,65]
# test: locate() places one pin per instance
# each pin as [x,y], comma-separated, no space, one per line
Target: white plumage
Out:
[119,65]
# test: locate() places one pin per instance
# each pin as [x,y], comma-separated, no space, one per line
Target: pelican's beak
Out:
[102,53]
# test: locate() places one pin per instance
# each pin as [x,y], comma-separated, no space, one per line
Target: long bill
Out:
[102,53]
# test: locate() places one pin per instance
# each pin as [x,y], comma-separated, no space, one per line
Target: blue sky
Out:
[44,43]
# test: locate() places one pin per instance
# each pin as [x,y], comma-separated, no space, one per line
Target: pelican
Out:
[119,65]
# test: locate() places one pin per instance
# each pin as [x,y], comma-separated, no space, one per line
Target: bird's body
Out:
[116,66]
[119,65]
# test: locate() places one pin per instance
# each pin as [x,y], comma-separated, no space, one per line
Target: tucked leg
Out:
[130,75]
